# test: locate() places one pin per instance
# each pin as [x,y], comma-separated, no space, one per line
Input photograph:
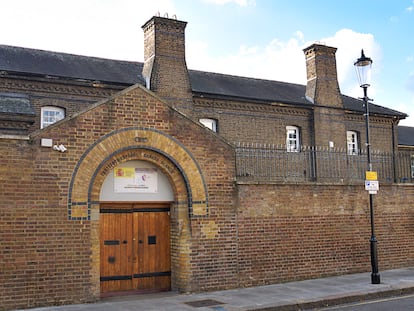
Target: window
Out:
[352,142]
[292,139]
[50,115]
[412,166]
[209,123]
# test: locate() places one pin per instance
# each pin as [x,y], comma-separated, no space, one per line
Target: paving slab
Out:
[300,295]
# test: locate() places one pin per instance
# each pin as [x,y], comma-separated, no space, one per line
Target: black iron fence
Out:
[261,162]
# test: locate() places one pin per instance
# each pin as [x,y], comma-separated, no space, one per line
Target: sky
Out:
[252,38]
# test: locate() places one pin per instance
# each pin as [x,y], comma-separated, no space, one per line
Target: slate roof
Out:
[405,136]
[45,63]
[27,61]
[246,88]
[268,91]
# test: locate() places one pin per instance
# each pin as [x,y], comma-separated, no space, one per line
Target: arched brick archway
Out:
[177,178]
[172,158]
[80,200]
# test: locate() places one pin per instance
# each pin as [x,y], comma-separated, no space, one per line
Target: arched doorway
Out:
[173,160]
[135,251]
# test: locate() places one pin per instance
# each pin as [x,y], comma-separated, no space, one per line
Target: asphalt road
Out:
[400,303]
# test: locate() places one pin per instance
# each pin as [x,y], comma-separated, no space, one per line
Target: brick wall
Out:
[73,97]
[255,123]
[249,235]
[49,259]
[266,124]
[282,238]
[382,131]
[44,258]
[329,127]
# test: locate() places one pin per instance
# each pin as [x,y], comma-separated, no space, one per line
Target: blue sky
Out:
[253,38]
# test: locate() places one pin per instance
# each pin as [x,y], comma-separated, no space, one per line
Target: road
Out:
[400,303]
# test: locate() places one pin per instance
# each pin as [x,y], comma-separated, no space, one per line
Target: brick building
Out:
[125,177]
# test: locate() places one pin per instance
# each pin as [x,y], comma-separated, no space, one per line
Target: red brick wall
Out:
[262,235]
[47,259]
[265,234]
[290,232]
[44,258]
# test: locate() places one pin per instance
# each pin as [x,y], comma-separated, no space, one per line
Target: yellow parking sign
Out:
[370,175]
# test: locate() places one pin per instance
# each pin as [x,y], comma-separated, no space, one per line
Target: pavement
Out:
[301,295]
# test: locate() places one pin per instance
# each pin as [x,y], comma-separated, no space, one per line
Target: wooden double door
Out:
[135,247]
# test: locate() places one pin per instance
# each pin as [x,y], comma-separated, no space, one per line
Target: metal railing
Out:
[262,162]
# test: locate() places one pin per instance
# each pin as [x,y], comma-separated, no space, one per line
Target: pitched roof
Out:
[405,136]
[268,91]
[238,87]
[34,62]
[45,63]
[356,105]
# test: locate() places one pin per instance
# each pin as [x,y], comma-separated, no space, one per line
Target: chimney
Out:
[322,81]
[165,69]
[322,89]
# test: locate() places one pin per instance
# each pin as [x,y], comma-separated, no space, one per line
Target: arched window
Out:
[352,142]
[50,115]
[292,139]
[210,123]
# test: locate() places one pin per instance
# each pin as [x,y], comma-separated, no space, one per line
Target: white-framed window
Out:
[50,115]
[292,139]
[352,142]
[209,123]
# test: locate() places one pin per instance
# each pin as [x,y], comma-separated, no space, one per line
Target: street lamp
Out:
[363,69]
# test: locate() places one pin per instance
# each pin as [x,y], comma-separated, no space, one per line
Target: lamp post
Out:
[363,69]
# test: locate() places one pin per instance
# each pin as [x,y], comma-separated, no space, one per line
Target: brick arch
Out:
[178,181]
[114,148]
[180,213]
[172,158]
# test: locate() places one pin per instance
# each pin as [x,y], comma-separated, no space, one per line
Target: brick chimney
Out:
[322,89]
[165,68]
[322,81]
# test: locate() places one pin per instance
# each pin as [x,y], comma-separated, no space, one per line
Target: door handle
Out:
[140,241]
